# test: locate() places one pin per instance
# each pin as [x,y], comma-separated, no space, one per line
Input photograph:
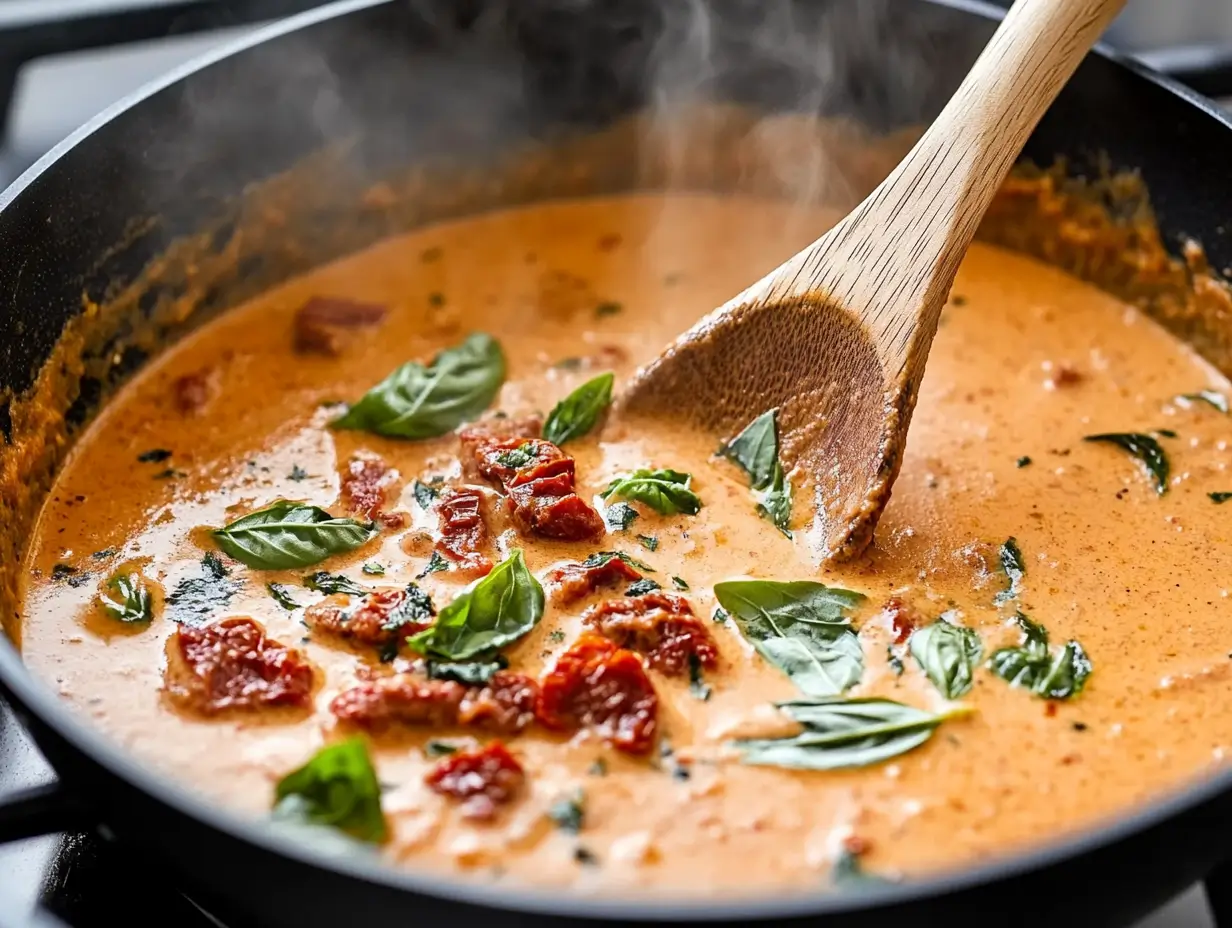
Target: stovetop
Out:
[85,880]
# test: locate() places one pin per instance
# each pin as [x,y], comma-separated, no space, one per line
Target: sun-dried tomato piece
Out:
[599,686]
[325,324]
[365,487]
[505,703]
[660,625]
[574,581]
[902,618]
[463,530]
[193,392]
[567,517]
[232,665]
[482,780]
[375,704]
[490,430]
[382,617]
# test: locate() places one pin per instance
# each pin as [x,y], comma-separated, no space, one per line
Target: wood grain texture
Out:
[838,336]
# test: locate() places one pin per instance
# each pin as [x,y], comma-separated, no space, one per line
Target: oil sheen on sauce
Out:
[1026,363]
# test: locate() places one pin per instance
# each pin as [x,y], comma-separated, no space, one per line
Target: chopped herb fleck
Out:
[697,684]
[1166,433]
[569,364]
[436,563]
[608,308]
[556,636]
[282,595]
[154,456]
[1079,726]
[893,661]
[642,587]
[720,616]
[1146,449]
[437,299]
[373,569]
[519,457]
[297,473]
[1023,461]
[569,814]
[1015,569]
[649,542]
[104,554]
[598,768]
[63,571]
[169,474]
[1220,496]
[958,299]
[1210,397]
[585,856]
[333,583]
[424,494]
[428,255]
[619,516]
[679,583]
[435,748]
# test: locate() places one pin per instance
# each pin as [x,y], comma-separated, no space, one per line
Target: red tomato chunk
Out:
[660,625]
[482,780]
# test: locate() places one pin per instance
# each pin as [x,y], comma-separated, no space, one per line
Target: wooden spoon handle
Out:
[893,259]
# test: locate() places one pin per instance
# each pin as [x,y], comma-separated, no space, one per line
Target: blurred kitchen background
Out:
[63,61]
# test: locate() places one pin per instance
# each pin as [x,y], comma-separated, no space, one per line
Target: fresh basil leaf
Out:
[1146,449]
[1220,496]
[599,558]
[518,457]
[642,587]
[1048,673]
[494,612]
[663,490]
[334,583]
[849,874]
[569,814]
[579,412]
[756,449]
[373,569]
[1210,397]
[756,452]
[619,516]
[948,655]
[424,402]
[282,595]
[126,598]
[698,686]
[468,673]
[679,583]
[288,534]
[436,564]
[801,627]
[1015,569]
[424,494]
[774,502]
[841,733]
[337,787]
[649,542]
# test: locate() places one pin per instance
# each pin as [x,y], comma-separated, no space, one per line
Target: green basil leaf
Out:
[425,494]
[948,655]
[373,569]
[801,627]
[282,595]
[1015,569]
[599,558]
[126,598]
[569,814]
[1220,496]
[756,452]
[665,491]
[756,449]
[619,516]
[416,606]
[337,787]
[1210,397]
[775,501]
[334,583]
[436,564]
[642,587]
[649,542]
[1146,449]
[679,583]
[849,874]
[288,534]
[698,687]
[468,673]
[423,402]
[841,733]
[494,612]
[518,457]
[579,412]
[1048,673]
[196,599]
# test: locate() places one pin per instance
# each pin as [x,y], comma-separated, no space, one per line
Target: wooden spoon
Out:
[837,337]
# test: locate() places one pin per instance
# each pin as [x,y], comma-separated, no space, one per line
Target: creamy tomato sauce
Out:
[1027,363]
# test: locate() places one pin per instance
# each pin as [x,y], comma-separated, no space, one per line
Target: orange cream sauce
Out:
[1140,579]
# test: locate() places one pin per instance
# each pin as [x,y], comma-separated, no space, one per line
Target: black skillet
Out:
[419,80]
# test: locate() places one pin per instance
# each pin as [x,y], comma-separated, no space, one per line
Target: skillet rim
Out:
[38,698]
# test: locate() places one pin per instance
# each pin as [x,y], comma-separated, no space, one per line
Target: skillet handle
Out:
[1218,885]
[40,810]
[1206,69]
